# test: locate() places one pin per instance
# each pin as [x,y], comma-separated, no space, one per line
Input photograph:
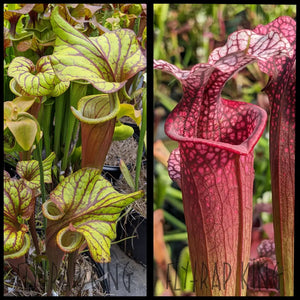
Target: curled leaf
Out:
[129,111]
[21,124]
[107,61]
[96,109]
[123,131]
[39,80]
[85,207]
[18,206]
[24,130]
[29,171]
[18,105]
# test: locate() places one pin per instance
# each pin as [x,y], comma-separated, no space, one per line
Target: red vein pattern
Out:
[29,172]
[214,161]
[43,83]
[18,204]
[84,207]
[106,61]
[281,91]
[97,115]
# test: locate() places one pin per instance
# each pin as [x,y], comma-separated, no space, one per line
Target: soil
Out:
[127,151]
[86,281]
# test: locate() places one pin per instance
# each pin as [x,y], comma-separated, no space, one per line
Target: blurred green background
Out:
[184,35]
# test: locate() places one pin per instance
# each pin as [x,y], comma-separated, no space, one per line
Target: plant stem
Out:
[32,229]
[46,124]
[42,183]
[77,91]
[71,271]
[60,104]
[141,140]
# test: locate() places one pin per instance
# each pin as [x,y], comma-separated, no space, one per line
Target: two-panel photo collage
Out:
[149,149]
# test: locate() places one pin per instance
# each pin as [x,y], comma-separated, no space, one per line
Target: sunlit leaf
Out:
[107,61]
[128,110]
[18,105]
[21,124]
[29,171]
[85,206]
[24,130]
[122,132]
[18,206]
[39,80]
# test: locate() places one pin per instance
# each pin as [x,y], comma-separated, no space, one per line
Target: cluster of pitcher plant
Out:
[213,163]
[71,68]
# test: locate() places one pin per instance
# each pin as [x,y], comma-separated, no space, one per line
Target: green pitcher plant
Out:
[98,115]
[18,207]
[93,59]
[20,123]
[30,174]
[107,68]
[22,194]
[63,68]
[39,80]
[83,208]
[106,61]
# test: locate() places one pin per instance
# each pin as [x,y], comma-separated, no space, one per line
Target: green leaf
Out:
[126,174]
[21,124]
[24,103]
[18,206]
[85,206]
[122,132]
[107,61]
[29,171]
[128,110]
[19,104]
[16,242]
[43,83]
[185,270]
[9,142]
[24,130]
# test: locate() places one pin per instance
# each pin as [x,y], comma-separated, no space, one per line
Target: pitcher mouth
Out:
[101,116]
[242,147]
